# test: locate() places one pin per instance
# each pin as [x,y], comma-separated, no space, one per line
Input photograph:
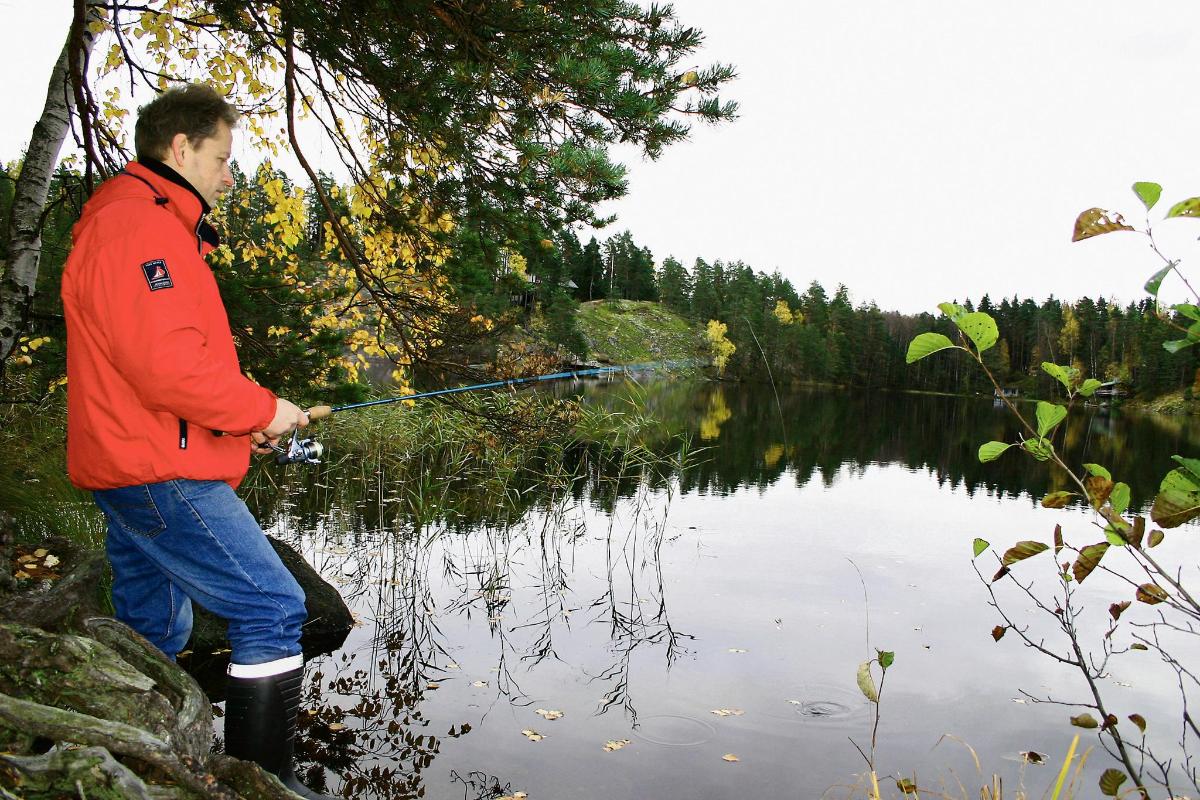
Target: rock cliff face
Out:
[89,708]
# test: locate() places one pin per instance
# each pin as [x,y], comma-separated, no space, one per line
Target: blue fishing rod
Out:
[308,451]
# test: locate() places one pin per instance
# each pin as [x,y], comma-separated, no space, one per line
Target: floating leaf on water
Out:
[796,702]
[336,726]
[730,757]
[1032,757]
[1139,720]
[452,665]
[532,735]
[51,561]
[41,552]
[1110,782]
[546,714]
[21,575]
[727,712]
[615,744]
[979,545]
[1085,720]
[479,684]
[737,650]
[998,632]
[433,685]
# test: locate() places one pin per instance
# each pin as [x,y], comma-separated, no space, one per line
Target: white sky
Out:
[916,151]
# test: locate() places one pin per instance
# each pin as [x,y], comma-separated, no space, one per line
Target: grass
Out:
[633,331]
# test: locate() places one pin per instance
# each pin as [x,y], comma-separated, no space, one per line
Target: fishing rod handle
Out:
[319,412]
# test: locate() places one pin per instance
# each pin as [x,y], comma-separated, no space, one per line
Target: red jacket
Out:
[151,365]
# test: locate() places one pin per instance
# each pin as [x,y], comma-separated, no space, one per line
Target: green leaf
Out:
[1148,193]
[1192,465]
[1138,646]
[1085,720]
[1021,551]
[1110,782]
[980,328]
[979,545]
[1098,471]
[1188,310]
[990,451]
[1097,221]
[1114,536]
[952,310]
[1156,279]
[1048,416]
[1057,499]
[886,658]
[1156,538]
[926,345]
[1089,559]
[1185,208]
[1175,345]
[1119,499]
[1089,387]
[906,786]
[1041,449]
[1178,499]
[866,683]
[1064,375]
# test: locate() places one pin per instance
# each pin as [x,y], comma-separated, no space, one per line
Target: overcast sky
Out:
[916,151]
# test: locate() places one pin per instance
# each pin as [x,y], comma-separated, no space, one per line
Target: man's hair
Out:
[193,110]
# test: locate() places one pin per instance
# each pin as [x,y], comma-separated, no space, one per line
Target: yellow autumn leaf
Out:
[730,757]
[532,735]
[549,715]
[615,744]
[727,712]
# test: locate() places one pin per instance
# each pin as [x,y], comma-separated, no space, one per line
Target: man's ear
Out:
[180,146]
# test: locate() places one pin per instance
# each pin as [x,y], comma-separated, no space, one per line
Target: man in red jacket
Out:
[161,421]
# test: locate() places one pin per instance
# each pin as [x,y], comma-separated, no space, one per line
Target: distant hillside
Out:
[632,331]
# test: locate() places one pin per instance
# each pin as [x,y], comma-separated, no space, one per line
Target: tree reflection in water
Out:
[444,569]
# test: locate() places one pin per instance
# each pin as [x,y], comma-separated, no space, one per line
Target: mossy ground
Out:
[633,331]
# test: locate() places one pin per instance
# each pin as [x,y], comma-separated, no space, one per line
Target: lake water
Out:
[735,585]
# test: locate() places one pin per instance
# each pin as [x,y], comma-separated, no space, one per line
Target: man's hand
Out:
[288,417]
[260,444]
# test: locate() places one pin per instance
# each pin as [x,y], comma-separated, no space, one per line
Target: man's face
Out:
[206,165]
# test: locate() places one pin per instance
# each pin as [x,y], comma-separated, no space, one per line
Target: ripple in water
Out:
[674,730]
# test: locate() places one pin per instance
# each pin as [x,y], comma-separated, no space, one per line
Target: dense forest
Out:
[816,335]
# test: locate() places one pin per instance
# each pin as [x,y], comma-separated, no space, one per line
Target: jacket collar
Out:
[174,192]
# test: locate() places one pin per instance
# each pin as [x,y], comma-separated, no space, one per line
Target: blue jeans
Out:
[177,541]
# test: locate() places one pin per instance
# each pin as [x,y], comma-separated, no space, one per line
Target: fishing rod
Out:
[309,451]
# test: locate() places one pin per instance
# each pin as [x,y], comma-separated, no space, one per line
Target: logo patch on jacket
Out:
[157,275]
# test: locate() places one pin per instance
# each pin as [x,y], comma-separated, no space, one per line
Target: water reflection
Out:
[636,600]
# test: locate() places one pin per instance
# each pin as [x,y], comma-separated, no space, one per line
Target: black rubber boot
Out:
[260,725]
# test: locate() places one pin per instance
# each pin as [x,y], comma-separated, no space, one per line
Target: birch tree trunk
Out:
[19,277]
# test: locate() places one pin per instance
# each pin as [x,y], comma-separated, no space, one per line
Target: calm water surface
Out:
[733,584]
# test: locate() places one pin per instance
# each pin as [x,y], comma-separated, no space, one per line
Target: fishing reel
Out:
[299,451]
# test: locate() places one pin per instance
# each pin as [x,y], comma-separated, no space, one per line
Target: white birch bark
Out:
[24,231]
